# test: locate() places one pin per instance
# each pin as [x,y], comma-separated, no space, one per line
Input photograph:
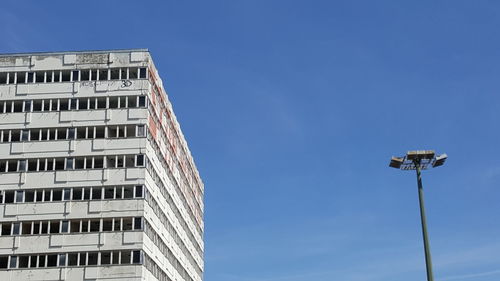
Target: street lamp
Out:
[420,160]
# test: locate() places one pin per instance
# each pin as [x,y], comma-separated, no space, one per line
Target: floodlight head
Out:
[439,160]
[396,162]
[420,154]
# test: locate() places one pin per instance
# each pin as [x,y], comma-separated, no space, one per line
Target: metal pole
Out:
[428,262]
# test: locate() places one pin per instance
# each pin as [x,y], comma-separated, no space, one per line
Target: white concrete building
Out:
[96,179]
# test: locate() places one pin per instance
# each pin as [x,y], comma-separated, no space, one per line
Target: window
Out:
[51,260]
[29,196]
[142,72]
[19,196]
[9,196]
[75,226]
[6,228]
[4,262]
[106,258]
[22,166]
[92,258]
[26,228]
[75,74]
[69,164]
[24,261]
[64,227]
[138,223]
[71,133]
[94,225]
[44,227]
[72,259]
[128,192]
[141,132]
[117,225]
[62,259]
[96,193]
[13,262]
[139,160]
[132,73]
[27,105]
[83,259]
[136,257]
[66,194]
[25,135]
[109,193]
[16,228]
[125,255]
[116,257]
[107,225]
[60,164]
[127,223]
[33,260]
[54,227]
[66,75]
[142,101]
[77,194]
[138,191]
[31,77]
[42,260]
[56,195]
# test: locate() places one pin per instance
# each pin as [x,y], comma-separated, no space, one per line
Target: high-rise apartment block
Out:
[96,179]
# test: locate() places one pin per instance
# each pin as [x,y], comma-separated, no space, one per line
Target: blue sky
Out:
[292,110]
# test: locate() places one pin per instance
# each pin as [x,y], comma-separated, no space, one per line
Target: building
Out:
[96,179]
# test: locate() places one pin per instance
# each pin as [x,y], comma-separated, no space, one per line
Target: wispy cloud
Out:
[472,275]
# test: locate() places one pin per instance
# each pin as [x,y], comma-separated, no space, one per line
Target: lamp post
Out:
[419,160]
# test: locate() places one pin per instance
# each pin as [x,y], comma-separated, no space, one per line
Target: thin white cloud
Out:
[472,275]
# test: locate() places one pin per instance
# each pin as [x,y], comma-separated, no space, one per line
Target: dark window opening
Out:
[98,162]
[136,257]
[113,102]
[125,257]
[96,193]
[142,101]
[66,76]
[109,193]
[92,258]
[6,229]
[142,72]
[127,223]
[132,73]
[106,258]
[29,196]
[99,132]
[9,197]
[103,74]
[51,260]
[56,195]
[41,260]
[33,261]
[85,75]
[26,228]
[77,193]
[59,164]
[107,225]
[4,262]
[128,192]
[137,223]
[23,261]
[75,226]
[115,73]
[54,227]
[72,259]
[75,75]
[138,191]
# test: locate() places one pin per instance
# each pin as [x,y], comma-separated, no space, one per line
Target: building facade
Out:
[96,179]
